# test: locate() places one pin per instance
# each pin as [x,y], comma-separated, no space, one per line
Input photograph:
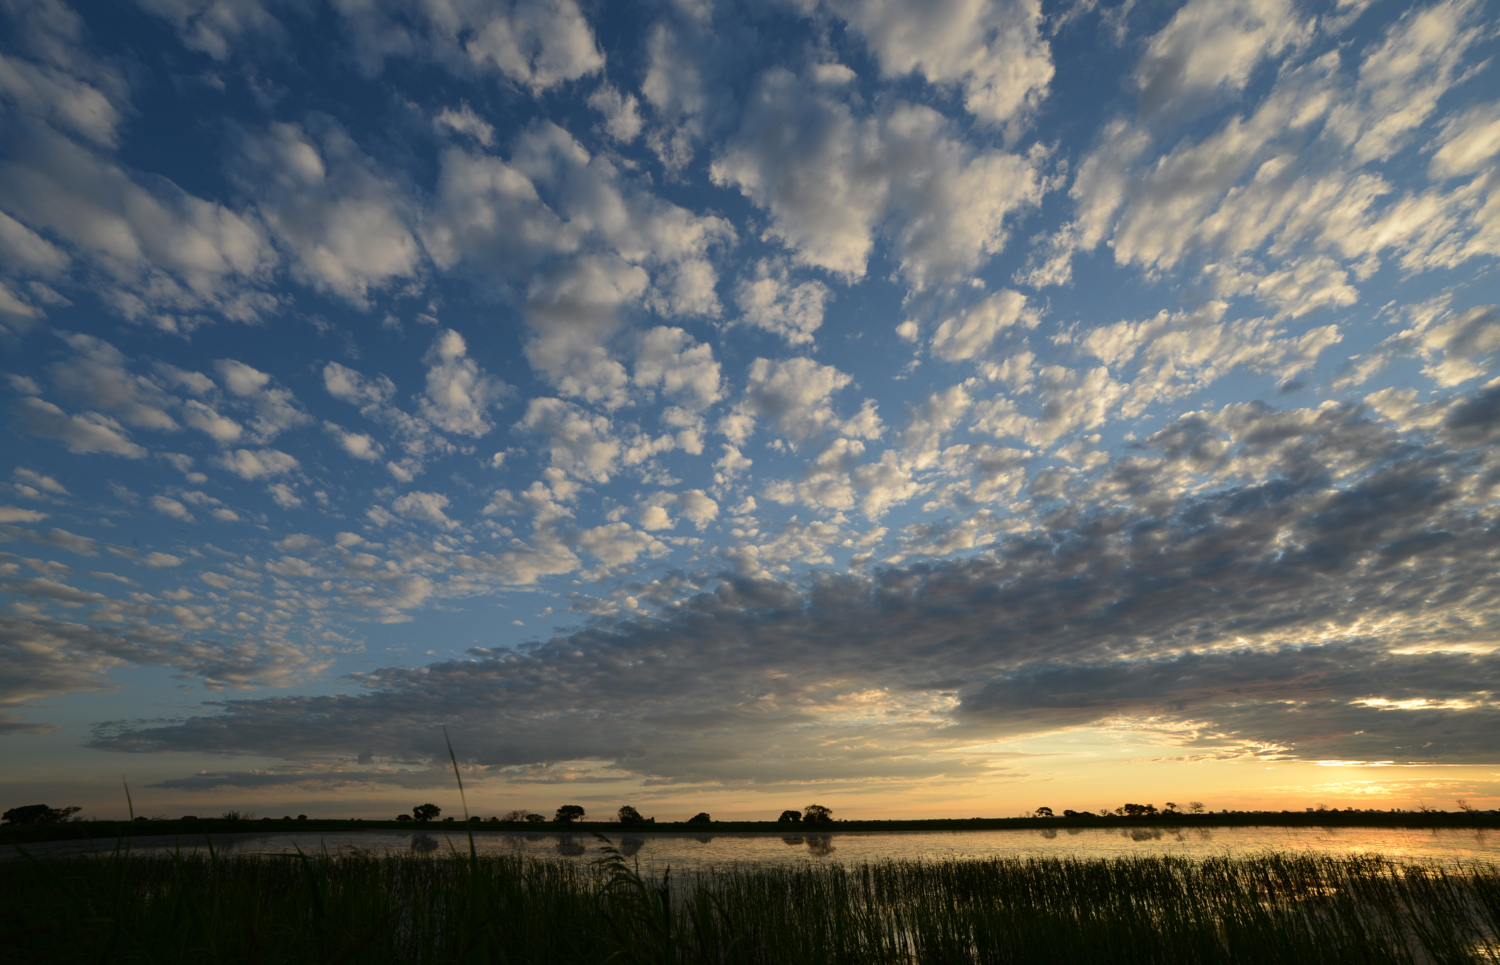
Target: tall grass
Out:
[352,907]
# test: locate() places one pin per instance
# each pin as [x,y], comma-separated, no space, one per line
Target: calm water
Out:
[687,852]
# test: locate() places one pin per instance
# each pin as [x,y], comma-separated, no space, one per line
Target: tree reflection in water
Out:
[423,843]
[630,847]
[570,846]
[820,845]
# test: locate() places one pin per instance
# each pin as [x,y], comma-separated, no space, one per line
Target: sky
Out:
[924,408]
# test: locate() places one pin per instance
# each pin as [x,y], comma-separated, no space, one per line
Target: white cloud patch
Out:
[969,333]
[424,507]
[536,44]
[84,433]
[579,443]
[162,254]
[684,370]
[831,181]
[465,121]
[357,444]
[276,409]
[345,223]
[622,118]
[992,49]
[168,506]
[1281,201]
[770,300]
[1210,44]
[459,395]
[796,395]
[257,464]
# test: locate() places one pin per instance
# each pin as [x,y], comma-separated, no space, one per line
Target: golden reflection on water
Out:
[703,850]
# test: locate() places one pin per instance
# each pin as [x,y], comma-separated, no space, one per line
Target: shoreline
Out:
[127,830]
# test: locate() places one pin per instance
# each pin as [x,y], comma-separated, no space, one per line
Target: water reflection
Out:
[1049,833]
[820,845]
[685,852]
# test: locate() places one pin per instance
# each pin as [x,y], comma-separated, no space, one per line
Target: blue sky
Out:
[924,408]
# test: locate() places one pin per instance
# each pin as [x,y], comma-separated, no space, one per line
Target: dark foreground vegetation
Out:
[186,909]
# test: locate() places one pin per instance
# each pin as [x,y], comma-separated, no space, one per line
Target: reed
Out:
[352,907]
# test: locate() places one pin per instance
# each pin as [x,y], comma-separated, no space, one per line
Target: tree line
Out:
[814,814]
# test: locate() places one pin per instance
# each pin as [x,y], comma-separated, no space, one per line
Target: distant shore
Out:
[83,830]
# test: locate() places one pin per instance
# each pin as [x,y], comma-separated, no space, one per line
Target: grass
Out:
[190,908]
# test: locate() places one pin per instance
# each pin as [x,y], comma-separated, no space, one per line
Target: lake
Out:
[688,852]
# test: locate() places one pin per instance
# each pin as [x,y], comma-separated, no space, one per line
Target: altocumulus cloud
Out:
[1304,614]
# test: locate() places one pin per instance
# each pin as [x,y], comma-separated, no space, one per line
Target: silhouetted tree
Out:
[1171,808]
[816,814]
[1196,807]
[1044,812]
[790,817]
[536,818]
[403,817]
[569,813]
[38,814]
[630,816]
[425,812]
[1138,810]
[700,818]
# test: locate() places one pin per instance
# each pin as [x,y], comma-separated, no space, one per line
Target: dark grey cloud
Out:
[1341,607]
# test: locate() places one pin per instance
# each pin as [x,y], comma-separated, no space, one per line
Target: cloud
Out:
[770,300]
[168,506]
[465,121]
[831,180]
[45,483]
[796,394]
[347,385]
[536,44]
[346,225]
[671,360]
[162,255]
[257,464]
[72,542]
[1289,180]
[425,507]
[96,375]
[85,433]
[276,409]
[357,444]
[1207,46]
[579,443]
[993,50]
[1456,346]
[459,395]
[573,311]
[1272,587]
[622,119]
[214,26]
[968,333]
